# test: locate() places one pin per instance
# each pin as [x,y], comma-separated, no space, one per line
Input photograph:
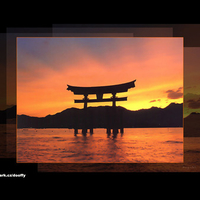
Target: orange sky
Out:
[46,65]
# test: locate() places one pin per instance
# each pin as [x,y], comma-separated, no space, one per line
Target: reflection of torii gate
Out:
[99,91]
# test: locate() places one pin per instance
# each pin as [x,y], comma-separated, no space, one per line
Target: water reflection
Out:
[135,145]
[96,148]
[114,135]
[110,134]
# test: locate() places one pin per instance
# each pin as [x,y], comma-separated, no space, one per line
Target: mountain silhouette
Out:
[171,116]
[192,125]
[9,113]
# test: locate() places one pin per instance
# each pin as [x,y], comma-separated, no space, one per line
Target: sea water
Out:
[136,145]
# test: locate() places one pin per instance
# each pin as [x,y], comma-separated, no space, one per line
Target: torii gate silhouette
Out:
[99,91]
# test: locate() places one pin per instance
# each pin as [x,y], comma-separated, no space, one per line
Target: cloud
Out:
[193,104]
[179,89]
[190,87]
[152,101]
[172,94]
[190,96]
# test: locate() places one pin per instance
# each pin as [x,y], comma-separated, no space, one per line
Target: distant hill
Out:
[171,116]
[9,113]
[192,125]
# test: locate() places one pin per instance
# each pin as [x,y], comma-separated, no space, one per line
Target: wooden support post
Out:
[122,131]
[99,96]
[84,131]
[114,99]
[75,131]
[115,130]
[85,100]
[91,131]
[108,130]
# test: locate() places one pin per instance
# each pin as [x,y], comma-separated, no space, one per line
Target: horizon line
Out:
[100,106]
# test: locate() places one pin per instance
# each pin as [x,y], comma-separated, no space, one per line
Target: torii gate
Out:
[99,91]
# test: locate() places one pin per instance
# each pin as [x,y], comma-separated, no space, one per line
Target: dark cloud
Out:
[193,104]
[190,96]
[179,89]
[154,100]
[190,87]
[172,94]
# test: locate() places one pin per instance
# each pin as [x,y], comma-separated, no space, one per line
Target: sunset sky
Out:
[46,65]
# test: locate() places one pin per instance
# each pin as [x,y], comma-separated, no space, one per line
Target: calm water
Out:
[137,145]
